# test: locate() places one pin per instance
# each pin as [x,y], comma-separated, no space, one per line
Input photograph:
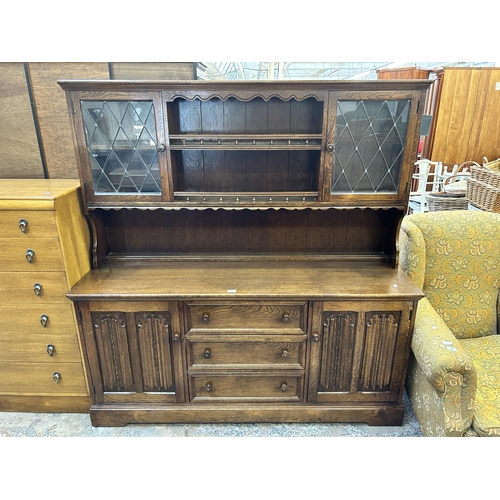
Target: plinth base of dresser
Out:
[46,404]
[117,415]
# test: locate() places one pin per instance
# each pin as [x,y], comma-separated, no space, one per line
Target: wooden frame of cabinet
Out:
[239,218]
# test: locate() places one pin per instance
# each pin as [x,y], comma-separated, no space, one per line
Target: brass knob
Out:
[208,353]
[44,319]
[205,318]
[315,337]
[30,255]
[176,337]
[284,353]
[161,148]
[37,288]
[57,377]
[330,148]
[285,318]
[23,225]
[283,387]
[50,350]
[208,387]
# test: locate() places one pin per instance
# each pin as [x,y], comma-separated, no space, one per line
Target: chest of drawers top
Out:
[34,194]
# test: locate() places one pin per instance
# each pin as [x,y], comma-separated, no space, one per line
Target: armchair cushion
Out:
[485,353]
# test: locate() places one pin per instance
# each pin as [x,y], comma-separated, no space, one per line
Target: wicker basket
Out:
[482,194]
[445,201]
[492,165]
[449,199]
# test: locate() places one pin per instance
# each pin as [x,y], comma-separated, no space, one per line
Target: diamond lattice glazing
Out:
[369,144]
[121,143]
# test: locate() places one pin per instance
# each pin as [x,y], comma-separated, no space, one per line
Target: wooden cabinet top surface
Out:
[150,280]
[34,194]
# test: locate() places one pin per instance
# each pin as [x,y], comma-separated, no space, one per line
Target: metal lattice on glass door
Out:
[121,143]
[369,145]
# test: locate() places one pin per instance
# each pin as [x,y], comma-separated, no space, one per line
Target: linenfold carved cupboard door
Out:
[134,351]
[356,350]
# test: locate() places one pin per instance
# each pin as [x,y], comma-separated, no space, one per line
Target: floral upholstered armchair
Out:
[454,374]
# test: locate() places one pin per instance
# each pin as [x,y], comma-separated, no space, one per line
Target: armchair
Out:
[454,373]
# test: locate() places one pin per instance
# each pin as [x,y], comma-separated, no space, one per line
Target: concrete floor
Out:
[17,424]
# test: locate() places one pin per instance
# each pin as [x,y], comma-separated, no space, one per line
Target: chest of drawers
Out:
[44,251]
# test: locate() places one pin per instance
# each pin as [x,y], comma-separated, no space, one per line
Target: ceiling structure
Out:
[312,70]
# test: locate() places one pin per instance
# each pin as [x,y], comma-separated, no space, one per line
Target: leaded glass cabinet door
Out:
[371,147]
[125,155]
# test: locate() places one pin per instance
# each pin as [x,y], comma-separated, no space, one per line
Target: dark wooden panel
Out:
[155,352]
[53,115]
[221,231]
[20,154]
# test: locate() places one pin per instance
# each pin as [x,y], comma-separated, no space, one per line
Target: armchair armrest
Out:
[446,366]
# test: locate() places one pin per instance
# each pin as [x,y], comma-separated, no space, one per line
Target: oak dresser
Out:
[244,248]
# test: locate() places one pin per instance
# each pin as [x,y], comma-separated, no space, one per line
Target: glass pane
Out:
[121,143]
[369,145]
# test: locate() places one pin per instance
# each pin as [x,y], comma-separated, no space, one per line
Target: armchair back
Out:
[455,260]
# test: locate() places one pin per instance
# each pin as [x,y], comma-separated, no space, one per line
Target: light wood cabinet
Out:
[244,248]
[44,251]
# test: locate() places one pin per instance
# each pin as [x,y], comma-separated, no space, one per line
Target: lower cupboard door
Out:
[131,355]
[360,353]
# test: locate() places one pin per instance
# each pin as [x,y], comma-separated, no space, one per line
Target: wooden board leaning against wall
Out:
[467,121]
[35,131]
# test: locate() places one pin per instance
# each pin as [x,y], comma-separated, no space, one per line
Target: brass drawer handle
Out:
[30,255]
[205,318]
[330,148]
[208,353]
[208,387]
[57,377]
[23,225]
[315,337]
[284,353]
[50,350]
[37,288]
[285,318]
[44,319]
[283,387]
[176,337]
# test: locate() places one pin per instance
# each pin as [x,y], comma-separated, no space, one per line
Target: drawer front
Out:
[38,254]
[58,318]
[39,347]
[33,288]
[289,318]
[245,388]
[274,354]
[27,224]
[37,379]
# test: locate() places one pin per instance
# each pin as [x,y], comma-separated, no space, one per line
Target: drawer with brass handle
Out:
[245,388]
[27,224]
[34,287]
[39,347]
[55,318]
[270,354]
[43,254]
[40,379]
[247,316]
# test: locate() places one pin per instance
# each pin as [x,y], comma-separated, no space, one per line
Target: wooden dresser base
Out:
[110,415]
